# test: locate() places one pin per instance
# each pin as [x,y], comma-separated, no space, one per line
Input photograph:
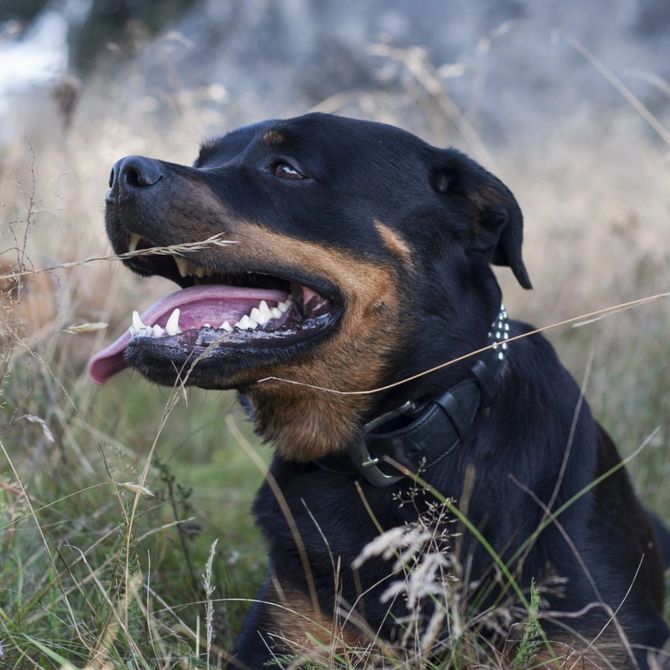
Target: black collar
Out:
[419,435]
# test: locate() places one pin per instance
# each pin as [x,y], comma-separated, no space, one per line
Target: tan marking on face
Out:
[193,210]
[306,423]
[298,625]
[273,137]
[394,242]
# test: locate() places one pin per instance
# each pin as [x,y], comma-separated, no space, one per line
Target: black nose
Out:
[132,174]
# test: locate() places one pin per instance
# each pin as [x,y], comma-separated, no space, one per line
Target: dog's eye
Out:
[285,170]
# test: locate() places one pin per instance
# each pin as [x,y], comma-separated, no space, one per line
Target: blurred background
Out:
[567,101]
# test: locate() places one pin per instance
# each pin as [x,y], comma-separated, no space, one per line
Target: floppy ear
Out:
[497,226]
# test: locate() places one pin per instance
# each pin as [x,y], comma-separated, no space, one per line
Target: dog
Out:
[359,264]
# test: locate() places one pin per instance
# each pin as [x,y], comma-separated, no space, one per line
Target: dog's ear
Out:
[497,226]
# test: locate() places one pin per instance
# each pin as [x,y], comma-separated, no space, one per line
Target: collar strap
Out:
[419,436]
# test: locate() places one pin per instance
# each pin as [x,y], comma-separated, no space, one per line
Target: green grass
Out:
[76,488]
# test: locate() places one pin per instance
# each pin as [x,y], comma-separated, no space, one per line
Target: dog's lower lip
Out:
[218,316]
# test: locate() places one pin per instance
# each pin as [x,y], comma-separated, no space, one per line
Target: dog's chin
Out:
[201,359]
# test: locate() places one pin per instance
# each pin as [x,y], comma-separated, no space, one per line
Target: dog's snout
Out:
[132,174]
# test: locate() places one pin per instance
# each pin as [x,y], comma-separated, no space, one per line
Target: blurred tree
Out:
[20,10]
[122,23]
[653,17]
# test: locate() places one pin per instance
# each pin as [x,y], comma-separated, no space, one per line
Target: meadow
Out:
[125,528]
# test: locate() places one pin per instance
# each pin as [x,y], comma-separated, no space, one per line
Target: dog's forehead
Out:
[319,126]
[232,143]
[318,134]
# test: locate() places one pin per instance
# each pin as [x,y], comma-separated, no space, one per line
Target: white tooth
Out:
[283,306]
[198,271]
[226,326]
[182,265]
[275,312]
[133,242]
[245,323]
[206,325]
[252,324]
[132,331]
[172,325]
[255,315]
[157,331]
[265,311]
[137,322]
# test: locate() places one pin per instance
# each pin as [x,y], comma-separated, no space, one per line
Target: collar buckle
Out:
[407,408]
[368,465]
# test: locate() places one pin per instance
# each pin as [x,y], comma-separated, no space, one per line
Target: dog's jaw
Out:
[305,424]
[315,407]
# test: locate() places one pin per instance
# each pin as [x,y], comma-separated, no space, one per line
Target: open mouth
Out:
[245,316]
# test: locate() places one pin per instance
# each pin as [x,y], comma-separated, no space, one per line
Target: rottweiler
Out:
[360,264]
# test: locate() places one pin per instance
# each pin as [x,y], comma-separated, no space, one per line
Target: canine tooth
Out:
[226,326]
[134,241]
[276,312]
[182,265]
[172,325]
[137,321]
[157,331]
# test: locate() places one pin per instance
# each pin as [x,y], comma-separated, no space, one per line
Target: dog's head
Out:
[358,254]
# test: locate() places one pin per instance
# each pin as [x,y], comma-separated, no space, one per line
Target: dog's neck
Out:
[421,432]
[306,424]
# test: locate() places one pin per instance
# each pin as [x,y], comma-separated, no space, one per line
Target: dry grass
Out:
[111,498]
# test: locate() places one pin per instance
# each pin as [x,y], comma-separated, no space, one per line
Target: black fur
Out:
[457,219]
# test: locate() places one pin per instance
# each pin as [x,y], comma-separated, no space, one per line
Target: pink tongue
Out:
[210,303]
